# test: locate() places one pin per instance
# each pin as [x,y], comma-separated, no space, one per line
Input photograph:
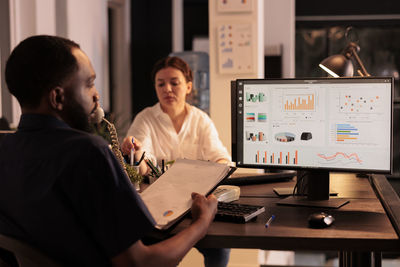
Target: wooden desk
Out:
[361,227]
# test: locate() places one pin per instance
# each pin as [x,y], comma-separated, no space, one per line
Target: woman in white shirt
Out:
[174,129]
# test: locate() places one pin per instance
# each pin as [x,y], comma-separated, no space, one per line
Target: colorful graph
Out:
[276,157]
[250,117]
[302,102]
[346,132]
[254,97]
[262,117]
[359,103]
[254,136]
[341,156]
[285,137]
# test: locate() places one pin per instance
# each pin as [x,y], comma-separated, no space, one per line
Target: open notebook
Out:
[169,197]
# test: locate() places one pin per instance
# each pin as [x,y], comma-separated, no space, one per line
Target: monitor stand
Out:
[313,191]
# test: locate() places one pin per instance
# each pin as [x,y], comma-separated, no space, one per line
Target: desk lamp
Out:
[341,65]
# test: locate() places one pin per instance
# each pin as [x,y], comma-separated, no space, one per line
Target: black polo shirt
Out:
[64,192]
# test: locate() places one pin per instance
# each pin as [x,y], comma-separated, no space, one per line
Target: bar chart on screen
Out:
[276,157]
[346,132]
[299,102]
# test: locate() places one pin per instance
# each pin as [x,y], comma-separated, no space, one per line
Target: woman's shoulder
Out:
[201,120]
[151,109]
[198,113]
[149,112]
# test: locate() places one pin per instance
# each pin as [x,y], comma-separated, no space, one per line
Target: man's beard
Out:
[76,117]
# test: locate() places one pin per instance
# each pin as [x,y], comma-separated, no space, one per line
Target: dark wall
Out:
[352,9]
[151,40]
[346,7]
[195,21]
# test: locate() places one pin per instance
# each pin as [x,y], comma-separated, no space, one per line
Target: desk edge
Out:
[389,199]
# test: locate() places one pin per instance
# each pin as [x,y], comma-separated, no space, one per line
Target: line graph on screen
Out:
[340,157]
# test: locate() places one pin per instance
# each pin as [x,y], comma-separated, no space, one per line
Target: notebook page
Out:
[169,196]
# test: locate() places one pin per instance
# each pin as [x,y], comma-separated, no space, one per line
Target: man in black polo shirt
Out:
[61,189]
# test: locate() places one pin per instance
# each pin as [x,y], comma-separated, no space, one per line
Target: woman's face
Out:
[172,88]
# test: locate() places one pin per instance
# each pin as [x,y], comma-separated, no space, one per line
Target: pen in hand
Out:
[269,221]
[132,151]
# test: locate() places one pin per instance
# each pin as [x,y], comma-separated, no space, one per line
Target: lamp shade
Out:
[338,66]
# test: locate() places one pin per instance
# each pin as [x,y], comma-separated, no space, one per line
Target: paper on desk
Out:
[169,197]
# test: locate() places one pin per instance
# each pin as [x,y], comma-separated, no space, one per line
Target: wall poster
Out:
[235,53]
[234,6]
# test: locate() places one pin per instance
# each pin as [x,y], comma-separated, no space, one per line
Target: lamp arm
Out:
[363,71]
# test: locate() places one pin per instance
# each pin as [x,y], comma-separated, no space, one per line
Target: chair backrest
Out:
[4,125]
[25,254]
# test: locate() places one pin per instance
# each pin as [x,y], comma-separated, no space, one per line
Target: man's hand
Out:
[169,252]
[204,209]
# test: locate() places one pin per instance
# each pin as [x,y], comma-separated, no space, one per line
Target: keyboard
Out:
[257,178]
[237,213]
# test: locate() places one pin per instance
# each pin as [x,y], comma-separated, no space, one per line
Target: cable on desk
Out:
[300,185]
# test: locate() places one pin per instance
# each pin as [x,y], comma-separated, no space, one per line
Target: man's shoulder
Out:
[82,139]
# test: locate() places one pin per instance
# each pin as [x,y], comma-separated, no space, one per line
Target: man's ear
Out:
[56,98]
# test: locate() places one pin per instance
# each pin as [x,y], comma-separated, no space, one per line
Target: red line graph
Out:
[341,154]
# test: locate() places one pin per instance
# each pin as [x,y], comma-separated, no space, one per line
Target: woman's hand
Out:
[126,148]
[127,145]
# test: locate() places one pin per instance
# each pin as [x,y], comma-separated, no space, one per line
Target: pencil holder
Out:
[134,175]
[136,184]
[152,179]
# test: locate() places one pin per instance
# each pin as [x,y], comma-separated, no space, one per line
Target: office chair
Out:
[25,254]
[4,125]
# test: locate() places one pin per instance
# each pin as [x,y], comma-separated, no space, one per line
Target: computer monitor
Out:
[313,125]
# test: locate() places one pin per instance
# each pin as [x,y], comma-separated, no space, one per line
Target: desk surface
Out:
[361,225]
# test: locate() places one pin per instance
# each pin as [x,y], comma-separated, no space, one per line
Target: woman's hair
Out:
[173,62]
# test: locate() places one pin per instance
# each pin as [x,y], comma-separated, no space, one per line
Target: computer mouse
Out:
[320,220]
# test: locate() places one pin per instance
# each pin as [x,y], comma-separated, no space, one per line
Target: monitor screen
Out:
[335,124]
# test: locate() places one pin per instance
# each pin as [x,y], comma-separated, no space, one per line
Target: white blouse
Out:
[197,139]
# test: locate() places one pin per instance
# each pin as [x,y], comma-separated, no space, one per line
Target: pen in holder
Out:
[132,158]
[154,171]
